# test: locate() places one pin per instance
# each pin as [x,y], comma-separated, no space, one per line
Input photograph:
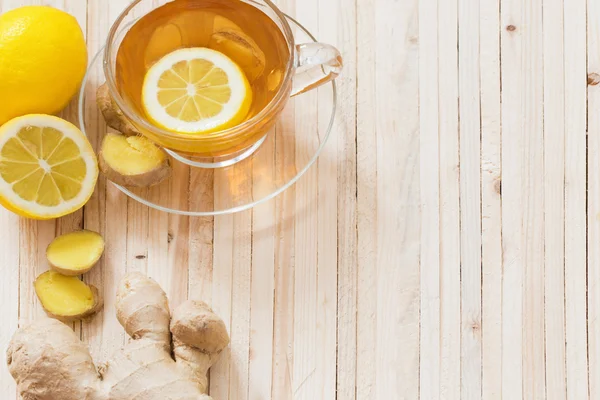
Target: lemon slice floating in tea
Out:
[47,167]
[196,90]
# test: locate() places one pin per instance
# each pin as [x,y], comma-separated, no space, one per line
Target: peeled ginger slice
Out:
[133,161]
[75,253]
[66,297]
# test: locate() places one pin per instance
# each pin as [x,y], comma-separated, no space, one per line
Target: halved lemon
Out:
[196,90]
[47,167]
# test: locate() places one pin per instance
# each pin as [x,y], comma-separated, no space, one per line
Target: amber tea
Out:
[240,31]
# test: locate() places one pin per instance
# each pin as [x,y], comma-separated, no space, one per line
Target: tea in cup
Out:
[209,77]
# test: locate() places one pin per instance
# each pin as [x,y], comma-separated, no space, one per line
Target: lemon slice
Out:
[196,90]
[47,167]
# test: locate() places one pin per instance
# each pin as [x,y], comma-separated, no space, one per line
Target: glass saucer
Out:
[262,173]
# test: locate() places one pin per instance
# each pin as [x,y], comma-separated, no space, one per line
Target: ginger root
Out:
[112,113]
[241,48]
[66,297]
[133,161]
[75,253]
[48,361]
[130,160]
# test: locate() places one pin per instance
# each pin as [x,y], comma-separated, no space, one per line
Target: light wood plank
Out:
[262,299]
[395,119]
[283,313]
[512,199]
[491,200]
[336,214]
[575,199]
[366,193]
[178,237]
[306,366]
[554,222]
[282,386]
[305,277]
[322,383]
[222,295]
[9,288]
[327,217]
[231,294]
[347,251]
[430,201]
[533,205]
[240,312]
[593,199]
[34,238]
[450,334]
[470,198]
[200,252]
[137,237]
[158,267]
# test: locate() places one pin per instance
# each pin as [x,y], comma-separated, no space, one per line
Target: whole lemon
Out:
[43,59]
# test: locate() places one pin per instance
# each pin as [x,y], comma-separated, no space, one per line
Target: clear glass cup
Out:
[309,66]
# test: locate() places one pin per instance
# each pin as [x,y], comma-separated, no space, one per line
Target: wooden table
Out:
[447,244]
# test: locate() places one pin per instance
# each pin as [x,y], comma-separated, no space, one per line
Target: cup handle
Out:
[316,64]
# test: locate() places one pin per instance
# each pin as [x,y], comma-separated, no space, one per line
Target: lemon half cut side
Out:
[47,167]
[196,90]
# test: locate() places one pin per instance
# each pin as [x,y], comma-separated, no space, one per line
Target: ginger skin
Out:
[48,361]
[112,113]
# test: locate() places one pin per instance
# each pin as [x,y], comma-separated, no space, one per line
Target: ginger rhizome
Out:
[66,297]
[129,159]
[133,161]
[112,113]
[166,358]
[75,253]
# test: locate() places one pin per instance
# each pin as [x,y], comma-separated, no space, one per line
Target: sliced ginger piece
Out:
[133,161]
[75,253]
[241,48]
[66,297]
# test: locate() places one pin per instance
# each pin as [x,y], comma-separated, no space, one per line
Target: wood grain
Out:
[450,238]
[575,200]
[445,245]
[593,200]
[470,197]
[366,195]
[491,200]
[429,362]
[397,205]
[534,379]
[554,201]
[512,200]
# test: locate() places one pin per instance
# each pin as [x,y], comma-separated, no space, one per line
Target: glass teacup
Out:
[309,66]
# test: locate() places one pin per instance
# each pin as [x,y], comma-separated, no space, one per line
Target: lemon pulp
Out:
[196,90]
[47,167]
